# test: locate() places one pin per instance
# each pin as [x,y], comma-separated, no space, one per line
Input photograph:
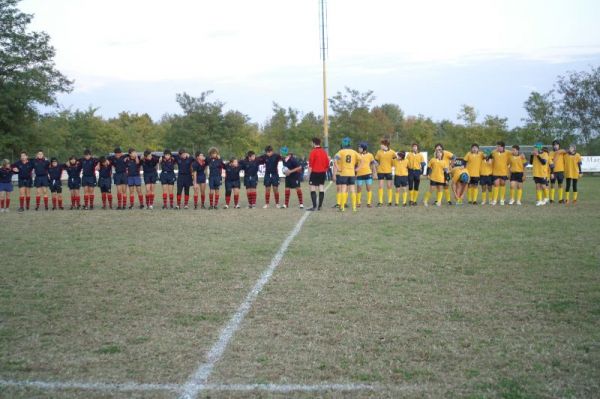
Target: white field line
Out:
[90,386]
[197,381]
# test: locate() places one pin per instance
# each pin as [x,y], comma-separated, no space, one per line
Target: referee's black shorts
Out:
[317,178]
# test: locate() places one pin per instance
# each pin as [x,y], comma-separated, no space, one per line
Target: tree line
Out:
[28,78]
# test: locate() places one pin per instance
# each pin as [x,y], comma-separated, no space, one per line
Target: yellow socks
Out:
[495,193]
[546,193]
[538,194]
[353,196]
[369,197]
[390,195]
[567,196]
[404,197]
[469,194]
[380,195]
[560,194]
[397,198]
[439,197]
[344,199]
[475,194]
[502,192]
[339,199]
[359,198]
[447,193]
[428,195]
[484,196]
[575,194]
[552,194]
[519,194]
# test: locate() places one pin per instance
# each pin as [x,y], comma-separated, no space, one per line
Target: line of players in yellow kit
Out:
[491,170]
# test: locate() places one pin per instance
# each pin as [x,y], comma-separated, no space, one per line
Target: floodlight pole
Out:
[324,45]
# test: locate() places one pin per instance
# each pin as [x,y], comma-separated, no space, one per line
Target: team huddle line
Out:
[353,170]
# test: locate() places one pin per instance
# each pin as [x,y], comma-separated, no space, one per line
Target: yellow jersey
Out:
[457,172]
[438,166]
[474,163]
[517,163]
[572,162]
[401,167]
[415,160]
[499,163]
[486,168]
[539,169]
[367,160]
[558,158]
[547,167]
[384,160]
[347,160]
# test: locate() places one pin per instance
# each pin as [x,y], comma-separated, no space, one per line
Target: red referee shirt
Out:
[318,161]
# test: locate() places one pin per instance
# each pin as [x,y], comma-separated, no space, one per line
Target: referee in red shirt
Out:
[318,163]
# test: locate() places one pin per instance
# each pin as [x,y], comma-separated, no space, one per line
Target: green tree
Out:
[28,76]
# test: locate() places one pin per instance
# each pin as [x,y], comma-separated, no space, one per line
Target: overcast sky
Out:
[428,56]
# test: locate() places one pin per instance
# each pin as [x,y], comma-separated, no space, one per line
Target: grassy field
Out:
[453,302]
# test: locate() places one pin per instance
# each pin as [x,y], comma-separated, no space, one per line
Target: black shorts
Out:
[74,183]
[540,180]
[105,184]
[214,182]
[558,177]
[41,181]
[485,181]
[184,180]
[27,182]
[250,181]
[436,183]
[120,179]
[400,181]
[292,182]
[384,176]
[271,179]
[474,181]
[55,186]
[200,179]
[494,178]
[230,185]
[88,181]
[168,178]
[317,178]
[517,176]
[150,178]
[345,180]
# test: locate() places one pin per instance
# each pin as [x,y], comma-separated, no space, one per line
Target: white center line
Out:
[197,381]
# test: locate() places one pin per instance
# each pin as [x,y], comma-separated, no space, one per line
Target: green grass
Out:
[455,302]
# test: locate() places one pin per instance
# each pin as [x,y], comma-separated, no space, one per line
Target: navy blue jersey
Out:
[168,165]
[232,173]
[215,166]
[73,170]
[6,175]
[55,173]
[88,166]
[271,163]
[149,165]
[199,168]
[249,167]
[40,166]
[25,169]
[184,165]
[105,171]
[133,167]
[292,163]
[119,163]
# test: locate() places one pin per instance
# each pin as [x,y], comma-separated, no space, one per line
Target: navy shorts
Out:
[401,181]
[230,185]
[105,184]
[41,181]
[271,179]
[55,186]
[74,183]
[517,176]
[473,181]
[6,187]
[292,182]
[184,181]
[485,180]
[558,177]
[494,178]
[436,183]
[150,178]
[200,179]
[27,182]
[317,178]
[250,181]
[88,181]
[120,179]
[214,182]
[384,176]
[337,180]
[134,181]
[346,180]
[540,180]
[168,178]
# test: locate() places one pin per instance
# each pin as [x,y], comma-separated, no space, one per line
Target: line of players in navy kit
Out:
[125,171]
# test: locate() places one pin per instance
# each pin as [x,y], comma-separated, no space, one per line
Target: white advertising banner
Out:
[590,164]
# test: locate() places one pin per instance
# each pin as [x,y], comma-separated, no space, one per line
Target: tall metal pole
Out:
[324,45]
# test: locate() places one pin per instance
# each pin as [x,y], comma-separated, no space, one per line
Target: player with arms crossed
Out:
[318,165]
